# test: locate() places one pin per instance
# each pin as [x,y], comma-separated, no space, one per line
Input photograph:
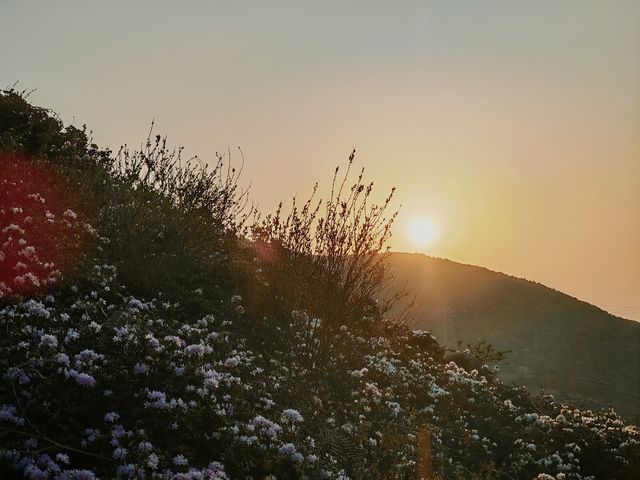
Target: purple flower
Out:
[145,446]
[111,417]
[72,334]
[118,431]
[120,453]
[9,413]
[197,349]
[85,380]
[77,475]
[140,369]
[211,378]
[158,400]
[49,341]
[63,458]
[231,362]
[35,473]
[152,461]
[37,309]
[180,460]
[62,358]
[291,415]
[289,450]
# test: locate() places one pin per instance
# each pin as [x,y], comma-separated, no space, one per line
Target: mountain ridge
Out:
[569,347]
[511,276]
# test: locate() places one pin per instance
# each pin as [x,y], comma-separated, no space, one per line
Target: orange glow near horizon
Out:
[513,126]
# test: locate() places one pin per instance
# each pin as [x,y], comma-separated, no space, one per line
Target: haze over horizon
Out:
[512,129]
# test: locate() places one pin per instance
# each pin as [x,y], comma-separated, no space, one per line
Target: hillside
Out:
[570,348]
[148,335]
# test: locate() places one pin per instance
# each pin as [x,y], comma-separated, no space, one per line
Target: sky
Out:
[511,129]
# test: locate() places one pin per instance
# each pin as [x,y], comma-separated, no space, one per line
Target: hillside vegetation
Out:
[151,329]
[569,348]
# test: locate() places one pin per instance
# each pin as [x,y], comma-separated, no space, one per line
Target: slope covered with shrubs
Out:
[576,351]
[187,339]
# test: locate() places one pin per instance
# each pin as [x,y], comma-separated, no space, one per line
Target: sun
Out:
[423,232]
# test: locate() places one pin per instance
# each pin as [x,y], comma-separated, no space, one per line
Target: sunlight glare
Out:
[423,232]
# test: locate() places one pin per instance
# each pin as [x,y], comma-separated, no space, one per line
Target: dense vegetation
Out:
[163,331]
[574,350]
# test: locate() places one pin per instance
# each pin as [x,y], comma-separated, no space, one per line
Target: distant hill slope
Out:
[570,348]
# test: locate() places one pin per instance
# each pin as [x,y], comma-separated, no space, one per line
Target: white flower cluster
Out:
[150,391]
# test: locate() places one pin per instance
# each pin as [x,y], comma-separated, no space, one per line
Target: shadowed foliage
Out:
[186,346]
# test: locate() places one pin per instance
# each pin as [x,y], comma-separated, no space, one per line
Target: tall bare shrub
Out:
[192,185]
[328,258]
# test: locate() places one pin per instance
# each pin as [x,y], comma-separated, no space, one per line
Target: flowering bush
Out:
[100,383]
[40,234]
[107,375]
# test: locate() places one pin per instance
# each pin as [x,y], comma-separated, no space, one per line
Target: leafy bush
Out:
[177,348]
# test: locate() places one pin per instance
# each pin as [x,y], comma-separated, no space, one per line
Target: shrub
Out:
[328,258]
[266,357]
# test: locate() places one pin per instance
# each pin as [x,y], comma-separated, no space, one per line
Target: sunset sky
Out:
[511,129]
